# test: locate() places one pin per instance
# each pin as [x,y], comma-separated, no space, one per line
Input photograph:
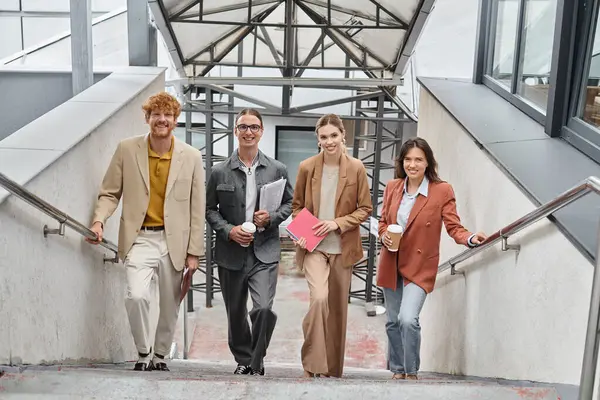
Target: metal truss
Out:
[358,56]
[370,105]
[202,99]
[373,96]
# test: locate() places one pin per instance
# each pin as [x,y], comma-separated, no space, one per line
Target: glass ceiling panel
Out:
[370,46]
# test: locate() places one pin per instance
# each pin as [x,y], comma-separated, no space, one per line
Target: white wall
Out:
[514,316]
[58,301]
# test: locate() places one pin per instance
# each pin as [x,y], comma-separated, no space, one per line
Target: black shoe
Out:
[260,371]
[160,366]
[142,366]
[242,370]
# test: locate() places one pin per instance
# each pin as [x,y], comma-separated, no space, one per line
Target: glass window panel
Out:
[536,56]
[198,139]
[506,17]
[39,29]
[590,110]
[10,32]
[294,146]
[9,5]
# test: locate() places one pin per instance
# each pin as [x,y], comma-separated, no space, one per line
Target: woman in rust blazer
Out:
[334,187]
[419,201]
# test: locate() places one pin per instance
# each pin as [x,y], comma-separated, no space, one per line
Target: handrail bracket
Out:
[453,271]
[114,259]
[60,231]
[506,246]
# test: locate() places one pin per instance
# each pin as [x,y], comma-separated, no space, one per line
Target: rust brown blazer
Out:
[352,201]
[418,256]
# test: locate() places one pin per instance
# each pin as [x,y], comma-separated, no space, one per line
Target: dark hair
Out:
[430,171]
[249,111]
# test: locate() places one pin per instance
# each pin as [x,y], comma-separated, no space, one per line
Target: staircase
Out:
[202,380]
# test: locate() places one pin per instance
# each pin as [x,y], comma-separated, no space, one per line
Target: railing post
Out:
[590,352]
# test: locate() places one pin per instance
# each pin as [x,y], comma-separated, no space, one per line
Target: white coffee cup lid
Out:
[393,228]
[249,227]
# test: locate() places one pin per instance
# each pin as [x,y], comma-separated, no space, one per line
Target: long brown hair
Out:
[420,143]
[250,111]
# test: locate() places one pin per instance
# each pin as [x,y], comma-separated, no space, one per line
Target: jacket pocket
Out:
[182,189]
[225,187]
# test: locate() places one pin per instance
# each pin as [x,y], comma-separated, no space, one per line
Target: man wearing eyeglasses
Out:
[247,262]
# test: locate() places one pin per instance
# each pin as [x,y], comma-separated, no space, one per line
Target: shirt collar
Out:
[423,188]
[167,156]
[237,163]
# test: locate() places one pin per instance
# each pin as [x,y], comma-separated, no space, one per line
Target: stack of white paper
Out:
[271,195]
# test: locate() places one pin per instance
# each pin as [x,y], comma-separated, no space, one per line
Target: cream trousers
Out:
[149,260]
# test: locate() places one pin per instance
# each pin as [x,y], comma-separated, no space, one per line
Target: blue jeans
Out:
[403,307]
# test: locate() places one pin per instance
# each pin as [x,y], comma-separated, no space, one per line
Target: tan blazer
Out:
[184,210]
[418,256]
[352,201]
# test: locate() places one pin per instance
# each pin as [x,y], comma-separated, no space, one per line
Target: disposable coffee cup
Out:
[395,233]
[248,227]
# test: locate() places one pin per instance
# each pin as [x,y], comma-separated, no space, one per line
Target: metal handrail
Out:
[592,340]
[589,185]
[63,219]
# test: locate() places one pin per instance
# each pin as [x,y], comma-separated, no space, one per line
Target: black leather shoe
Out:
[142,366]
[242,370]
[260,371]
[160,366]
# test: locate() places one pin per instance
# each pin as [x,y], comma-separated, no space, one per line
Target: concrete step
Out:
[202,380]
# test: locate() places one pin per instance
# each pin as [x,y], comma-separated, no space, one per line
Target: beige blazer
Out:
[127,177]
[353,204]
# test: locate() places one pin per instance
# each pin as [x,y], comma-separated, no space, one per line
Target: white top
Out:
[332,243]
[408,201]
[251,190]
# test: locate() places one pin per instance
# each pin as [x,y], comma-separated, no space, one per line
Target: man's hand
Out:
[192,263]
[479,238]
[98,229]
[261,218]
[324,227]
[241,237]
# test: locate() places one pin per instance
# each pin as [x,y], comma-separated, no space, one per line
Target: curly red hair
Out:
[162,101]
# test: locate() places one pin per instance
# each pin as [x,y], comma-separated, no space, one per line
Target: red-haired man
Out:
[161,182]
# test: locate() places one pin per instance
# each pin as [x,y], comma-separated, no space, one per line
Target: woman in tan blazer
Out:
[334,188]
[419,201]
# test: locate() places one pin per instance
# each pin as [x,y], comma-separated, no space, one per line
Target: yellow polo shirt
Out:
[158,171]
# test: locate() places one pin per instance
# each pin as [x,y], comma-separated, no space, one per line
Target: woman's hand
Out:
[324,227]
[300,243]
[478,238]
[386,240]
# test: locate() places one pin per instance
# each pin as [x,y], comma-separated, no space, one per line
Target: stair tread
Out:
[215,380]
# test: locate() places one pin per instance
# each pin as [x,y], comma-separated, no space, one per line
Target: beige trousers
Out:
[324,325]
[149,260]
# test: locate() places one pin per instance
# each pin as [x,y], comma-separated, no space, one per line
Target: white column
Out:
[81,45]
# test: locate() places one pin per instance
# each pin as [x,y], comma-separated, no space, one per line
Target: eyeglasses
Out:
[253,128]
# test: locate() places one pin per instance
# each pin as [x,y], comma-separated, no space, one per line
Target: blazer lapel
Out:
[142,161]
[342,178]
[176,163]
[419,204]
[396,200]
[317,178]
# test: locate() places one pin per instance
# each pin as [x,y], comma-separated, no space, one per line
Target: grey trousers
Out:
[249,347]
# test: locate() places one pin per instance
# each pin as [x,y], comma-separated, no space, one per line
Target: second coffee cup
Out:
[395,233]
[248,227]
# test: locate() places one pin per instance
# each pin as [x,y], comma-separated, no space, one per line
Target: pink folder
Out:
[301,227]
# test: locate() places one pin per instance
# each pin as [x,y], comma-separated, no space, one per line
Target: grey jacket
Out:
[226,208]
